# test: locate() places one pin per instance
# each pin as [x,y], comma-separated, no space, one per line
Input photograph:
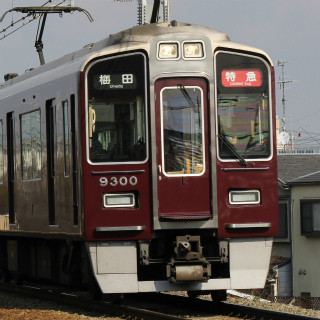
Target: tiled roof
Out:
[299,168]
[311,177]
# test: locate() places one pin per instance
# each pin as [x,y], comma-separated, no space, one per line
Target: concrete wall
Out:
[306,250]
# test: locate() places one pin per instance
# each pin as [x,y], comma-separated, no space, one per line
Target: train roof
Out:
[133,38]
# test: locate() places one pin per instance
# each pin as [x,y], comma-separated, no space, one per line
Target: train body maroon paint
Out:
[145,161]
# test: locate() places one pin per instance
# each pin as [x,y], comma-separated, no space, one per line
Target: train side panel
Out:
[30,120]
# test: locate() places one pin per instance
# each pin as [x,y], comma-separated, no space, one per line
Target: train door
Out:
[66,168]
[75,200]
[184,190]
[51,155]
[10,159]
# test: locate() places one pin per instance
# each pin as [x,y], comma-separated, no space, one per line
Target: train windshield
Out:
[182,130]
[243,107]
[116,116]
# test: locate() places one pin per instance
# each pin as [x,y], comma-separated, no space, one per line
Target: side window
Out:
[30,145]
[66,138]
[1,152]
[310,217]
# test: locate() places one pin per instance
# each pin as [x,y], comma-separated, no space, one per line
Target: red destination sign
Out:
[241,78]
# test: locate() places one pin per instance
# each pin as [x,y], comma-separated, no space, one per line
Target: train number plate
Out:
[116,181]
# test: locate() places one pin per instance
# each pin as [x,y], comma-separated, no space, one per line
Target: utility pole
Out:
[283,82]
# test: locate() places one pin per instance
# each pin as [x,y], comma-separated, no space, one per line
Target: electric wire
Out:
[18,28]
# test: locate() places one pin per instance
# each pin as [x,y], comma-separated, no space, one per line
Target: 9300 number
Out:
[115,181]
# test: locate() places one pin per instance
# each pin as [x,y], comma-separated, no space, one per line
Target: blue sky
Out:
[288,30]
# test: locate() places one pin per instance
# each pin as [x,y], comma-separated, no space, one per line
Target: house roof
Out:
[293,168]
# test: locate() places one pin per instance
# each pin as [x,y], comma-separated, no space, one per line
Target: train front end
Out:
[179,163]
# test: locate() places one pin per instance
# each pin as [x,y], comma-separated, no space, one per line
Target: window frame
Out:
[307,217]
[176,174]
[38,177]
[270,105]
[90,65]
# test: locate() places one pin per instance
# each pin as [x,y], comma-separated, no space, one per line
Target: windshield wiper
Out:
[232,149]
[195,108]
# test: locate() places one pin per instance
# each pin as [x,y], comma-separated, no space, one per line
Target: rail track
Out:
[229,309]
[83,301]
[151,306]
[258,313]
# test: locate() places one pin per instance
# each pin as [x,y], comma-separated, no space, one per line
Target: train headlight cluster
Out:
[193,50]
[244,197]
[118,200]
[190,50]
[168,51]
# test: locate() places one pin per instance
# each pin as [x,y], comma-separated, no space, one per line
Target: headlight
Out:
[192,50]
[119,200]
[168,50]
[244,197]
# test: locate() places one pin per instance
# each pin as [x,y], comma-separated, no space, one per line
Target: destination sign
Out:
[106,81]
[241,78]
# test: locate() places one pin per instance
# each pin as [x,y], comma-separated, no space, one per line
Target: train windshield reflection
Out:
[182,130]
[243,107]
[116,110]
[117,131]
[244,123]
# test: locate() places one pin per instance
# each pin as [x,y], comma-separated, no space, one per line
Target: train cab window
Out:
[243,104]
[30,145]
[116,114]
[1,152]
[182,130]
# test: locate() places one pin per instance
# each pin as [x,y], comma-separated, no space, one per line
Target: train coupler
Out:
[188,263]
[188,272]
[188,248]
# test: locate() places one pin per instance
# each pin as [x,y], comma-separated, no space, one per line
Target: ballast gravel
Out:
[17,307]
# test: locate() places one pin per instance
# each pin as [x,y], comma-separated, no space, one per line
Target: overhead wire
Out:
[18,28]
[301,138]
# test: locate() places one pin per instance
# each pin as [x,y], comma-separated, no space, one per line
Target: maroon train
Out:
[143,162]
